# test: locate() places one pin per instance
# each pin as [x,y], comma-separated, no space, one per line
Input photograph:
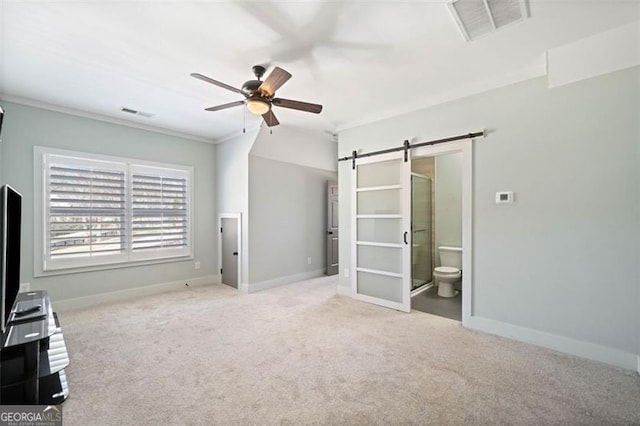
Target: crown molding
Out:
[93,116]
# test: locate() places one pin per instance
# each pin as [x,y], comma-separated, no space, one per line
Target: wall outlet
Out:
[197,265]
[346,272]
[24,287]
[308,261]
[504,197]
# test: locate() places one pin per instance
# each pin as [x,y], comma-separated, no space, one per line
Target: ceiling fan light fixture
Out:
[258,106]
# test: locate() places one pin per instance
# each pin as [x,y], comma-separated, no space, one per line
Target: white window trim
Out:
[40,217]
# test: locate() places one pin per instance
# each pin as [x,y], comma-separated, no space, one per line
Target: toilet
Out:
[450,272]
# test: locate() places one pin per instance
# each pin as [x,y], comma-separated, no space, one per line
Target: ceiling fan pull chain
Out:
[244,120]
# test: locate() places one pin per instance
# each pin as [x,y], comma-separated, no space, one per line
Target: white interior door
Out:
[381,231]
[229,235]
[333,230]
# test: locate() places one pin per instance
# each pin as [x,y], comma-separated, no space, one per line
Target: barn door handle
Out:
[235,253]
[405,238]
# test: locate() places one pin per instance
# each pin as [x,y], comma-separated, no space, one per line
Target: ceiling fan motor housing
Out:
[251,86]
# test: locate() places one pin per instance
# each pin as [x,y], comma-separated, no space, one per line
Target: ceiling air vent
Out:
[476,18]
[136,112]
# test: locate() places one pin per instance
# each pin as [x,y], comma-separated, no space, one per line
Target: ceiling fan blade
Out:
[216,82]
[300,106]
[224,106]
[276,79]
[270,118]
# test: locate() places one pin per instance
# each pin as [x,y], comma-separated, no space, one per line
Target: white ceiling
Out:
[361,60]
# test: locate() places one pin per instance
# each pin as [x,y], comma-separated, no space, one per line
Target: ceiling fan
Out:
[260,95]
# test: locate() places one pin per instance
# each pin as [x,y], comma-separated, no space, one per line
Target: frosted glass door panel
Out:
[380,202]
[381,223]
[388,259]
[380,287]
[380,230]
[380,174]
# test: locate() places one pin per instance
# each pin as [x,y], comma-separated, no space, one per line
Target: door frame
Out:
[466,148]
[405,304]
[237,216]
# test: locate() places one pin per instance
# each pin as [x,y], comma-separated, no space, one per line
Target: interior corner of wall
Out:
[256,134]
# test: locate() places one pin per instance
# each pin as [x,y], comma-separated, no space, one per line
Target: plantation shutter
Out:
[86,210]
[160,211]
[107,210]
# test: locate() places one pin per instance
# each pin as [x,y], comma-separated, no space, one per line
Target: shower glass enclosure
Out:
[421,229]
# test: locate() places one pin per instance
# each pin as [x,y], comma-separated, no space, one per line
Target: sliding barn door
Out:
[381,231]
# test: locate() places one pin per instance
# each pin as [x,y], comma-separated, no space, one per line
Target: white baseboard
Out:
[343,290]
[276,282]
[556,342]
[120,295]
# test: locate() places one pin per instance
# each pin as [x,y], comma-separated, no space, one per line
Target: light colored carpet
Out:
[299,354]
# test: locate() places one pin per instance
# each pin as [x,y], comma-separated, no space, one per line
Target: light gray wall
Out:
[448,203]
[562,259]
[314,149]
[26,127]
[288,218]
[232,176]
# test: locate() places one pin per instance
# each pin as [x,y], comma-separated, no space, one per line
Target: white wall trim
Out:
[556,342]
[276,282]
[99,117]
[130,293]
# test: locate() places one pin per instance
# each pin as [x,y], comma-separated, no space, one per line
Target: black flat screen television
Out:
[1,117]
[11,210]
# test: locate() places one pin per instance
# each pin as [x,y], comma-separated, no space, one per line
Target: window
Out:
[100,211]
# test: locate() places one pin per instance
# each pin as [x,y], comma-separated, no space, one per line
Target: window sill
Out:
[39,273]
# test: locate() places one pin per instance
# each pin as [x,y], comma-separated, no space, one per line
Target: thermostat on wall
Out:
[504,197]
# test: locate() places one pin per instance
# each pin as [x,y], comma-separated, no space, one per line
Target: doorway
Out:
[229,253]
[381,265]
[333,230]
[436,200]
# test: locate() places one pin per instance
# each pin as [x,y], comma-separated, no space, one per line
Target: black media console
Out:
[33,353]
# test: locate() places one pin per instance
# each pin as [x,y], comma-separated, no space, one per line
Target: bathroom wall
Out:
[448,202]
